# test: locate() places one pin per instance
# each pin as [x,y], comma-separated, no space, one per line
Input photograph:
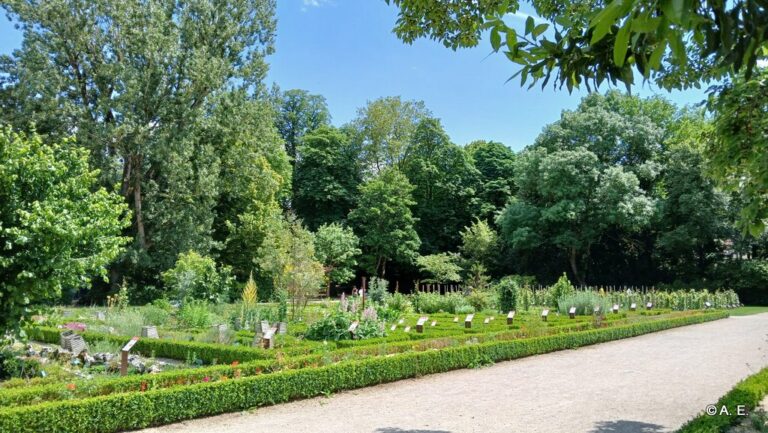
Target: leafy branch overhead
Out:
[675,43]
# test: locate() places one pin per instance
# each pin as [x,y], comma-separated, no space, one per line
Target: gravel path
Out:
[653,383]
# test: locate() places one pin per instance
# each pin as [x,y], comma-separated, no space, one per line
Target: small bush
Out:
[507,291]
[585,303]
[13,367]
[561,288]
[377,290]
[481,300]
[399,303]
[369,329]
[196,277]
[194,314]
[331,327]
[154,315]
[465,309]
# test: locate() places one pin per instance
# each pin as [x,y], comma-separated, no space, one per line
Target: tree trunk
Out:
[573,258]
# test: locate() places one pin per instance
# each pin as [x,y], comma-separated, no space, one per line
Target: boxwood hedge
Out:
[749,392]
[111,413]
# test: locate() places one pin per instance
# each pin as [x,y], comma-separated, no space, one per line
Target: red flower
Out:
[235,363]
[206,379]
[71,386]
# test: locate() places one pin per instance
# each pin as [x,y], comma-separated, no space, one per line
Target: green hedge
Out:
[173,349]
[749,392]
[117,412]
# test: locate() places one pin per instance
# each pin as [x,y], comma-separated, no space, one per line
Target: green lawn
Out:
[749,309]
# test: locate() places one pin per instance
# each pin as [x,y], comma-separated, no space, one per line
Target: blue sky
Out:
[346,51]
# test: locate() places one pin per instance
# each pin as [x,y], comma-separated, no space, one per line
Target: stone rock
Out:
[63,355]
[154,369]
[45,352]
[30,351]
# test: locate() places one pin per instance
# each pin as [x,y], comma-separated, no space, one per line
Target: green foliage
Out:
[584,301]
[748,393]
[569,200]
[194,314]
[288,255]
[154,315]
[737,151]
[495,162]
[481,300]
[384,221]
[671,43]
[399,303]
[508,290]
[384,129]
[445,183]
[298,113]
[441,268]
[332,327]
[377,290]
[479,243]
[12,366]
[167,147]
[57,227]
[163,348]
[336,247]
[326,177]
[134,410]
[197,277]
[561,288]
[432,302]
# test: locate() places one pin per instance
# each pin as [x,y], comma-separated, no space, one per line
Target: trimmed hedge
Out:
[135,410]
[172,349]
[749,392]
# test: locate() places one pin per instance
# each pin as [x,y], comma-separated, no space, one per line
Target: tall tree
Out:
[384,221]
[57,227]
[384,129]
[692,219]
[299,112]
[326,177]
[136,81]
[569,200]
[495,162]
[336,247]
[445,186]
[738,149]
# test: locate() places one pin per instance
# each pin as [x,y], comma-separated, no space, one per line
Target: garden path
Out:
[648,384]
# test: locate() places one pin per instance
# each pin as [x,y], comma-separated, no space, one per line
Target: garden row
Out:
[36,392]
[133,410]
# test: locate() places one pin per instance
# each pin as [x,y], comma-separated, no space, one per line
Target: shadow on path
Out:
[623,426]
[399,430]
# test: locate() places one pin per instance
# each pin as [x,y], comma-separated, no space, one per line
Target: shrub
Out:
[465,309]
[11,366]
[194,314]
[377,290]
[154,315]
[126,322]
[333,327]
[561,288]
[135,410]
[431,302]
[585,302]
[749,392]
[399,303]
[196,277]
[507,290]
[481,299]
[369,329]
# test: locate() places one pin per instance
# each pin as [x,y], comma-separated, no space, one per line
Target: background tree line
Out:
[213,170]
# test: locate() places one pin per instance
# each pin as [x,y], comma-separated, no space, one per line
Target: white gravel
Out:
[653,383]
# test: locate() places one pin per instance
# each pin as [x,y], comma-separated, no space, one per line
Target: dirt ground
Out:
[653,383]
